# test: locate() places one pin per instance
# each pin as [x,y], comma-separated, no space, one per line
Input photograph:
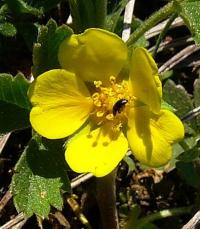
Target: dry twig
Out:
[15,223]
[159,27]
[178,57]
[194,223]
[192,114]
[3,141]
[80,179]
[5,200]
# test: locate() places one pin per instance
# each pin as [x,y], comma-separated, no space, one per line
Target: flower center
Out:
[111,103]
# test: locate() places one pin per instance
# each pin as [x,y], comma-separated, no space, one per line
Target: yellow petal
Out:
[150,136]
[61,104]
[93,55]
[144,79]
[95,151]
[169,126]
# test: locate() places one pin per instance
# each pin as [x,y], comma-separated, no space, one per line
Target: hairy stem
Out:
[152,20]
[106,197]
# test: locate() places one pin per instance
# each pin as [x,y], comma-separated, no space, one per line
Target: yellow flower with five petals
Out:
[106,100]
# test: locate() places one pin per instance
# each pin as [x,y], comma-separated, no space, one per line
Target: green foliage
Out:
[114,23]
[173,94]
[188,173]
[188,150]
[40,174]
[167,106]
[88,14]
[189,11]
[189,155]
[7,29]
[44,5]
[13,90]
[46,49]
[14,103]
[32,7]
[197,98]
[130,163]
[21,7]
[114,17]
[167,74]
[142,41]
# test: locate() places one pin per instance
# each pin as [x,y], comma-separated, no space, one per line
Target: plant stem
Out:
[163,33]
[106,197]
[151,21]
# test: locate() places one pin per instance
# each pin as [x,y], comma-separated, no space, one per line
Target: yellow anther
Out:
[112,79]
[110,117]
[105,90]
[100,114]
[95,96]
[98,83]
[97,103]
[105,98]
[111,93]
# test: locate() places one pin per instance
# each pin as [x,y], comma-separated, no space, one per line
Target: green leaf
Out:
[177,150]
[177,97]
[14,90]
[40,174]
[4,11]
[142,41]
[88,14]
[189,155]
[46,49]
[167,106]
[192,149]
[167,74]
[189,11]
[197,98]
[130,163]
[113,18]
[21,7]
[45,5]
[133,217]
[173,94]
[188,173]
[7,29]
[14,103]
[12,117]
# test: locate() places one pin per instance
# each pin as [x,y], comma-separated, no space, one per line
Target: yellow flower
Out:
[106,100]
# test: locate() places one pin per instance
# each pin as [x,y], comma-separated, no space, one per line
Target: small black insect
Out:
[118,106]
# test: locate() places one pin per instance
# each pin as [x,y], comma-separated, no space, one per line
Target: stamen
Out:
[95,95]
[100,114]
[110,117]
[105,99]
[98,83]
[97,103]
[112,79]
